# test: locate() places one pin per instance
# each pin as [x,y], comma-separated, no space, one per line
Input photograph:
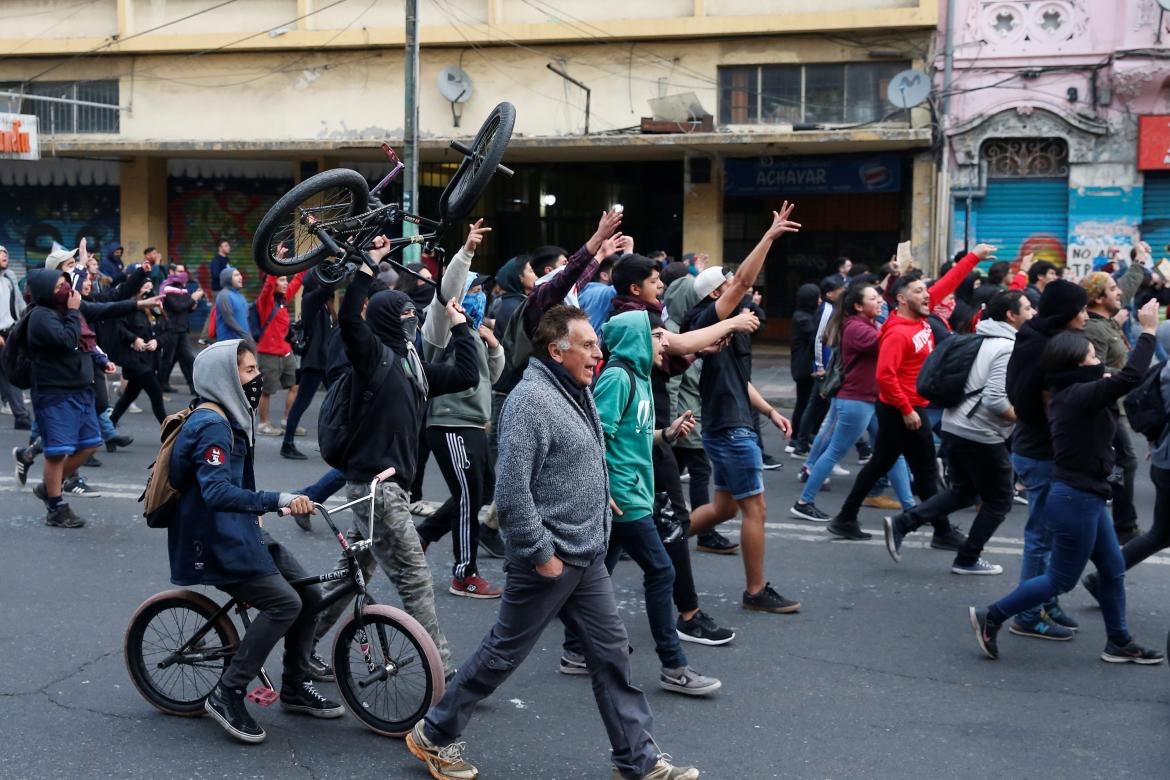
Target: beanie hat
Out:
[709,281]
[1060,302]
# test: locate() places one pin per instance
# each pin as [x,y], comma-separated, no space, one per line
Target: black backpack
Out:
[1145,407]
[834,375]
[516,342]
[344,407]
[943,378]
[17,360]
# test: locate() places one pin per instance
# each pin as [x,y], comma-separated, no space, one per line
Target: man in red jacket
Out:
[905,342]
[277,364]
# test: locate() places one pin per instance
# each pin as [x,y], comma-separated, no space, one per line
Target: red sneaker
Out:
[475,587]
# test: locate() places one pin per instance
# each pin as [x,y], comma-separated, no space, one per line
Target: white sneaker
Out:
[423,508]
[134,408]
[840,470]
[4,409]
[268,429]
[791,448]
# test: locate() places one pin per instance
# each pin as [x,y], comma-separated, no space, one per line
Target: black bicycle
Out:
[330,219]
[386,665]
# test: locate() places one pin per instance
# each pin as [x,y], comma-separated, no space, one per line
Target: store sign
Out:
[803,175]
[18,137]
[1154,143]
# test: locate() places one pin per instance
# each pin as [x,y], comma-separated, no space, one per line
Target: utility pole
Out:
[410,142]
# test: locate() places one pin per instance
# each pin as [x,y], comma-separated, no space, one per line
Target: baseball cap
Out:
[57,257]
[709,281]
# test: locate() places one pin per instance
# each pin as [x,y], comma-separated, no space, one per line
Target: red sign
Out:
[1154,143]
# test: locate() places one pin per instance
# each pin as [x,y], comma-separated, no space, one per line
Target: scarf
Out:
[575,389]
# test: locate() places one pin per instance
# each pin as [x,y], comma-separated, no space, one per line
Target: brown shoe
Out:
[444,763]
[664,770]
[881,502]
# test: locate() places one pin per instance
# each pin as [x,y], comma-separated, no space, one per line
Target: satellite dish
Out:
[1165,4]
[909,88]
[455,84]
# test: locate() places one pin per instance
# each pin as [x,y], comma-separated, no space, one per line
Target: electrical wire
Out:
[9,54]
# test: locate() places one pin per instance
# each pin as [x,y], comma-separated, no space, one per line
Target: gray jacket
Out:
[979,417]
[552,489]
[11,299]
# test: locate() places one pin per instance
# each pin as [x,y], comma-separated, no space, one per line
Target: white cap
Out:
[709,281]
[57,257]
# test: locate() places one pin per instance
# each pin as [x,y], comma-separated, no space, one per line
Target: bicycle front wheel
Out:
[178,683]
[388,670]
[474,173]
[330,196]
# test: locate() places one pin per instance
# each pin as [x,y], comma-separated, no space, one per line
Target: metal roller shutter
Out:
[1018,216]
[1156,213]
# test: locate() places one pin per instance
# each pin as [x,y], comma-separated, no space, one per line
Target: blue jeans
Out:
[852,418]
[737,463]
[322,489]
[824,435]
[640,539]
[1081,530]
[1036,477]
[108,429]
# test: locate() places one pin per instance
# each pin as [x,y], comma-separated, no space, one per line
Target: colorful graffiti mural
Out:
[33,218]
[1103,226]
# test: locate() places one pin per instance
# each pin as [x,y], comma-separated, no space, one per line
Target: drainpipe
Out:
[945,206]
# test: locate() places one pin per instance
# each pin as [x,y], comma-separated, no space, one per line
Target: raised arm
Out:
[436,327]
[697,340]
[749,269]
[582,266]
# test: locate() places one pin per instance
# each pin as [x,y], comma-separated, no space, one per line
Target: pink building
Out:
[1041,109]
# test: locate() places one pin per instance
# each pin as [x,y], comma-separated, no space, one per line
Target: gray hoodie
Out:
[11,299]
[217,378]
[979,417]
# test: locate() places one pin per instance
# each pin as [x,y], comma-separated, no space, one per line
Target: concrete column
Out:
[144,206]
[928,249]
[703,212]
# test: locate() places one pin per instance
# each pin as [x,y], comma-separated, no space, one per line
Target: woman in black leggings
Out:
[138,341]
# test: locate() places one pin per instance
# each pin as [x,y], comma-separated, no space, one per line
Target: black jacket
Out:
[126,330]
[1083,419]
[318,324]
[1025,389]
[804,331]
[178,308]
[389,432]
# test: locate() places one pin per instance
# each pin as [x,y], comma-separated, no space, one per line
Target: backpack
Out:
[834,375]
[1145,407]
[339,419]
[254,326]
[160,497]
[17,360]
[297,341]
[943,378]
[516,342]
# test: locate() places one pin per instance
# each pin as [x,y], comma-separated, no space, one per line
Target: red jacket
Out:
[272,340]
[905,343]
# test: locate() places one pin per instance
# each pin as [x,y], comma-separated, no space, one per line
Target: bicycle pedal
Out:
[265,697]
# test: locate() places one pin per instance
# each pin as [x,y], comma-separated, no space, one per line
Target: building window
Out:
[68,118]
[828,94]
[1026,158]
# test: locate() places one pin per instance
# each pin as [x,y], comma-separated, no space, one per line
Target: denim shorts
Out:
[737,464]
[67,421]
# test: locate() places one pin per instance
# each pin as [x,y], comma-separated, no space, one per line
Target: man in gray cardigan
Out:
[555,519]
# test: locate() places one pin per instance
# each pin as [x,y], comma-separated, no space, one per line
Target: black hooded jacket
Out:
[318,323]
[804,331]
[60,364]
[389,431]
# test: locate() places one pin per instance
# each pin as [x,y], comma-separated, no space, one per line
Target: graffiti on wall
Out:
[1095,243]
[32,219]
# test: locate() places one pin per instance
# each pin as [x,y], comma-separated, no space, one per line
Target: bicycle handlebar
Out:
[385,475]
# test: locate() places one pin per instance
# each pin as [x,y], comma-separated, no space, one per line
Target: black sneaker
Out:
[771,464]
[92,463]
[951,540]
[851,531]
[808,512]
[22,424]
[23,464]
[1126,535]
[121,440]
[40,492]
[228,709]
[1056,614]
[714,542]
[303,697]
[768,600]
[63,517]
[985,632]
[291,452]
[1090,583]
[1132,653]
[319,669]
[702,630]
[864,453]
[800,453]
[894,536]
[77,486]
[1041,629]
[491,542]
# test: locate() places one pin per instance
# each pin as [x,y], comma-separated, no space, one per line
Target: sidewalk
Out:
[771,375]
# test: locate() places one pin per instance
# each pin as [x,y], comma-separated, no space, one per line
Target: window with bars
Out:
[830,93]
[70,118]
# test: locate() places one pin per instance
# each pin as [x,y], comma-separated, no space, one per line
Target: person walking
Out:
[277,364]
[178,303]
[137,336]
[231,309]
[1082,415]
[318,322]
[555,518]
[11,308]
[804,329]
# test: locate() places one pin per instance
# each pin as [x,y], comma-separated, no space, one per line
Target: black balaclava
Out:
[384,316]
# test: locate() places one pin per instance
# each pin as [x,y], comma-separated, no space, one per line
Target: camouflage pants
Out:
[397,550]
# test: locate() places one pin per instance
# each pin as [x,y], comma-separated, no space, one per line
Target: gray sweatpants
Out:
[398,551]
[583,599]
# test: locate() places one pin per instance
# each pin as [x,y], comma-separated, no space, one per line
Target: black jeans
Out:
[1158,537]
[283,611]
[804,389]
[894,439]
[424,452]
[694,460]
[666,480]
[981,472]
[173,347]
[462,455]
[814,415]
[310,381]
[1124,514]
[146,381]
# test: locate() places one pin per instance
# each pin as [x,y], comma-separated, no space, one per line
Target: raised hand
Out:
[475,235]
[984,252]
[1148,316]
[744,322]
[781,223]
[606,226]
[609,246]
[625,244]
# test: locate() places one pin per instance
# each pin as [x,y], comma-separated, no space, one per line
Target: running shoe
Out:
[768,600]
[714,542]
[1041,629]
[22,464]
[687,681]
[1131,653]
[703,630]
[808,512]
[985,632]
[77,486]
[474,586]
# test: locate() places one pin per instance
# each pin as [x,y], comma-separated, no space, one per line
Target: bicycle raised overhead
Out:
[329,220]
[387,668]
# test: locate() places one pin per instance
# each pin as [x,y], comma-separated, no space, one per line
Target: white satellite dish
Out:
[1165,4]
[909,88]
[455,84]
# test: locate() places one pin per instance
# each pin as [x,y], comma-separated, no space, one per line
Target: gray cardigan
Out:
[979,417]
[552,489]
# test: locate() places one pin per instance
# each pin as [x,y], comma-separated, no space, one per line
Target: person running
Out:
[728,398]
[138,337]
[1082,416]
[555,518]
[217,540]
[906,341]
[976,433]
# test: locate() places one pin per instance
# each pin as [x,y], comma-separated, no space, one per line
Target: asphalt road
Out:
[878,676]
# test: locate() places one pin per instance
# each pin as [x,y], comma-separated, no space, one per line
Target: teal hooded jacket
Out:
[628,423]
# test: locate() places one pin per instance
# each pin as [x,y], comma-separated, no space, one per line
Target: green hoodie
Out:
[628,425]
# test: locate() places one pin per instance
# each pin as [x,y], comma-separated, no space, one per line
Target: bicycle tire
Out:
[343,185]
[418,649]
[136,659]
[475,172]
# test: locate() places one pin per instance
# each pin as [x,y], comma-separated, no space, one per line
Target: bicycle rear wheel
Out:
[329,196]
[474,173]
[404,677]
[162,625]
